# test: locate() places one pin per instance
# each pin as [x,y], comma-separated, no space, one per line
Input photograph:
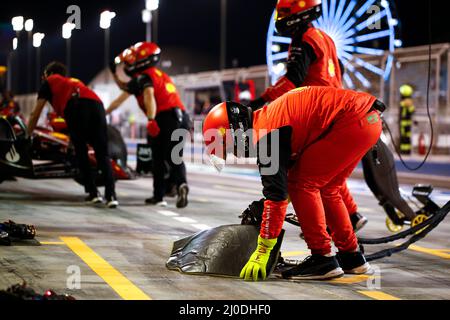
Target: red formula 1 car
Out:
[49,153]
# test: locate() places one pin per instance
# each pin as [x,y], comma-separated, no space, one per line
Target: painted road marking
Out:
[435,252]
[185,219]
[353,279]
[118,282]
[177,217]
[52,243]
[231,188]
[168,213]
[365,210]
[201,227]
[294,253]
[378,295]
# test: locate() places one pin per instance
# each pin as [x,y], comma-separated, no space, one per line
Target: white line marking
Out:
[168,213]
[201,227]
[185,219]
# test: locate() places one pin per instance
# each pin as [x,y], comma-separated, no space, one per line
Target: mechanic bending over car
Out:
[84,114]
[312,61]
[158,98]
[304,137]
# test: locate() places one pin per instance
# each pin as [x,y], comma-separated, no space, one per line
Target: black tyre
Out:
[117,147]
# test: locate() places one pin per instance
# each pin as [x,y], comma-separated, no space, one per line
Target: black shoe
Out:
[171,191]
[156,202]
[315,267]
[94,198]
[358,221]
[353,262]
[112,203]
[182,200]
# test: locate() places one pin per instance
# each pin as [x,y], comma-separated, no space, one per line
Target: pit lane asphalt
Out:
[135,241]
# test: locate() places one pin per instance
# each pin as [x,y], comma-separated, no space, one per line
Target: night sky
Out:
[192,25]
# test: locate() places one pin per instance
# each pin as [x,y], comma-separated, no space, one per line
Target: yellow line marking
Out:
[435,252]
[378,295]
[232,188]
[118,282]
[293,253]
[352,279]
[52,243]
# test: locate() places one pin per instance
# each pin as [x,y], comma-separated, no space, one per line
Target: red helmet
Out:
[128,58]
[290,14]
[147,55]
[225,130]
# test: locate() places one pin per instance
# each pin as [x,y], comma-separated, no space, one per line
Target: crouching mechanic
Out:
[85,117]
[315,136]
[312,61]
[157,97]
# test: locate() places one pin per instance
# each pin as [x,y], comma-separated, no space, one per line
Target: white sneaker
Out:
[159,203]
[113,203]
[94,199]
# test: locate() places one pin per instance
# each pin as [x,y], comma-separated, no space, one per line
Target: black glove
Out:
[257,103]
[19,231]
[112,67]
[253,214]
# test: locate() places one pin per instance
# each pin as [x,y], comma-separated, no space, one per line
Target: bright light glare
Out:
[146,16]
[105,19]
[37,39]
[67,30]
[279,68]
[17,23]
[152,5]
[15,43]
[29,25]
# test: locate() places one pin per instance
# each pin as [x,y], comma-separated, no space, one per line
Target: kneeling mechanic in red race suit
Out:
[85,117]
[321,133]
[158,98]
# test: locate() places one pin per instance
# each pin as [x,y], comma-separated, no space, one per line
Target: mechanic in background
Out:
[85,117]
[158,98]
[312,61]
[407,110]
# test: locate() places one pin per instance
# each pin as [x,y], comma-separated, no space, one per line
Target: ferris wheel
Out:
[365,34]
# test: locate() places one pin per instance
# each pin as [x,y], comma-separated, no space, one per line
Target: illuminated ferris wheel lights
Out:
[398,43]
[339,11]
[369,66]
[279,39]
[393,22]
[348,81]
[373,36]
[280,56]
[279,68]
[347,13]
[363,50]
[364,8]
[371,21]
[276,48]
[362,79]
[384,3]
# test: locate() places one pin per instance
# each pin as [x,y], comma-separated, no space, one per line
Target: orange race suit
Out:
[323,133]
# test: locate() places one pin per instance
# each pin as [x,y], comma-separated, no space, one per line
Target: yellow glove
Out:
[258,261]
